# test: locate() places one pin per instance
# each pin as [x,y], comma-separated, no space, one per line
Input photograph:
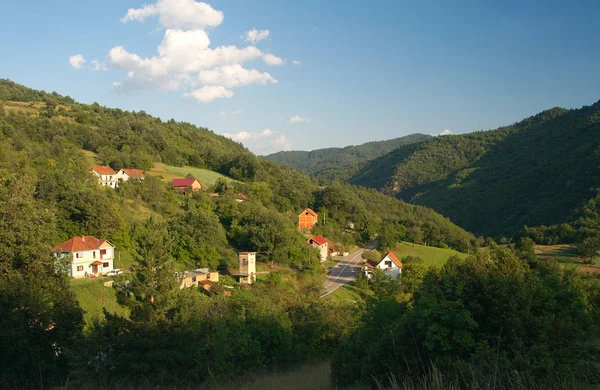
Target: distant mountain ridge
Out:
[319,160]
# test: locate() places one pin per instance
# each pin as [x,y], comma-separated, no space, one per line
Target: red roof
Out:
[133,172]
[241,196]
[310,211]
[370,264]
[394,259]
[103,170]
[319,240]
[79,243]
[184,182]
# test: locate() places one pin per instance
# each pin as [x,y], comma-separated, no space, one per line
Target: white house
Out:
[321,244]
[129,173]
[389,264]
[247,273]
[107,177]
[86,256]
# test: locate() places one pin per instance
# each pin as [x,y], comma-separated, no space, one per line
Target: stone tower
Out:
[247,267]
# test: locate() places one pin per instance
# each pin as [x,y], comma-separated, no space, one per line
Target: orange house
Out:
[307,219]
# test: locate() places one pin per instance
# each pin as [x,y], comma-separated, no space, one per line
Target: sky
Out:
[307,74]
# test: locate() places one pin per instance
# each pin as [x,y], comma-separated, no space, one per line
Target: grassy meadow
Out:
[169,172]
[93,296]
[432,256]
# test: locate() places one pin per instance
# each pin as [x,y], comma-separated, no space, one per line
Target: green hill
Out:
[319,162]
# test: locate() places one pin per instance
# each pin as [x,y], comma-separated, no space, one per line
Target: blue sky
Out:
[364,70]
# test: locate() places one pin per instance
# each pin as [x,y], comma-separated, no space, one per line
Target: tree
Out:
[589,248]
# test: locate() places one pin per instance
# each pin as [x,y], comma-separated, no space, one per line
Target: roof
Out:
[319,240]
[103,170]
[183,182]
[370,264]
[205,282]
[241,196]
[310,211]
[394,259]
[133,172]
[80,243]
[246,253]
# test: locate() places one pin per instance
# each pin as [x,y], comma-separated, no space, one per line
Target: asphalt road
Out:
[346,271]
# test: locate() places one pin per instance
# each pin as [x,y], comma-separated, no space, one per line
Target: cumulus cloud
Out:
[177,13]
[98,66]
[445,132]
[245,135]
[76,61]
[281,143]
[271,59]
[296,62]
[255,35]
[209,93]
[234,76]
[298,119]
[265,141]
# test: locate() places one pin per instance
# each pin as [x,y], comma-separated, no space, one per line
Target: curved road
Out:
[346,271]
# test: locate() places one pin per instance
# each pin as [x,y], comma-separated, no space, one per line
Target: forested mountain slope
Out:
[319,160]
[535,172]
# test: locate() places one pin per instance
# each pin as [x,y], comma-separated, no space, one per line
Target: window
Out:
[208,275]
[105,265]
[193,278]
[94,254]
[78,255]
[388,263]
[79,268]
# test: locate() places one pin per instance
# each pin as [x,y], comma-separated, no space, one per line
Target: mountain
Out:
[319,160]
[539,171]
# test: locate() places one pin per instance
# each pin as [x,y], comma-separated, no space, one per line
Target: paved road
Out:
[346,271]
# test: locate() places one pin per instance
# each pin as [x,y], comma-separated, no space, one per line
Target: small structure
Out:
[389,264]
[198,277]
[185,184]
[107,177]
[350,225]
[240,197]
[320,243]
[335,250]
[87,256]
[129,173]
[307,219]
[247,273]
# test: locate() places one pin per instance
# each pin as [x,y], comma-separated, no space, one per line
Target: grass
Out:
[93,296]
[567,256]
[432,256]
[90,157]
[349,292]
[169,172]
[123,260]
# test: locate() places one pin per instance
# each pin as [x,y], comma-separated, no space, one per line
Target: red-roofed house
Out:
[320,243]
[107,177]
[184,184]
[390,265]
[129,173]
[86,255]
[307,219]
[240,198]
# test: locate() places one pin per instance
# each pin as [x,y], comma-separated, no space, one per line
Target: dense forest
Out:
[319,162]
[168,335]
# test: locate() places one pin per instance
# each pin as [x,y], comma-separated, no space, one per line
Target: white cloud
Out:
[296,62]
[234,76]
[281,143]
[445,132]
[98,66]
[245,136]
[255,35]
[209,93]
[265,141]
[271,59]
[298,119]
[177,13]
[223,115]
[76,61]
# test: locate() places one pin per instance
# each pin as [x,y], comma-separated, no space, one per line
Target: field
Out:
[346,293]
[93,296]
[169,172]
[432,256]
[567,256]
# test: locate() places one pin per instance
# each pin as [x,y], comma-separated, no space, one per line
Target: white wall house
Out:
[107,177]
[129,173]
[247,273]
[390,265]
[321,244]
[86,256]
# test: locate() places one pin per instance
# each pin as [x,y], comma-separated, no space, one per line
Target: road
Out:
[346,271]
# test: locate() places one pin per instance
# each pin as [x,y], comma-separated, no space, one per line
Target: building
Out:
[247,274]
[307,219]
[185,184]
[240,198]
[107,177]
[321,244]
[86,256]
[390,265]
[128,173]
[199,277]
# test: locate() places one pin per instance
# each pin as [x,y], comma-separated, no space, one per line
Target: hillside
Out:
[319,160]
[539,171]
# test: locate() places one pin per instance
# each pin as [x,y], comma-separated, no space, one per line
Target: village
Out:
[92,257]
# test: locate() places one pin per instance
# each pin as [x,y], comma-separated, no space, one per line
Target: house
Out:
[184,184]
[320,243]
[307,219]
[389,264]
[247,273]
[240,197]
[198,277]
[335,250]
[129,173]
[86,256]
[107,177]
